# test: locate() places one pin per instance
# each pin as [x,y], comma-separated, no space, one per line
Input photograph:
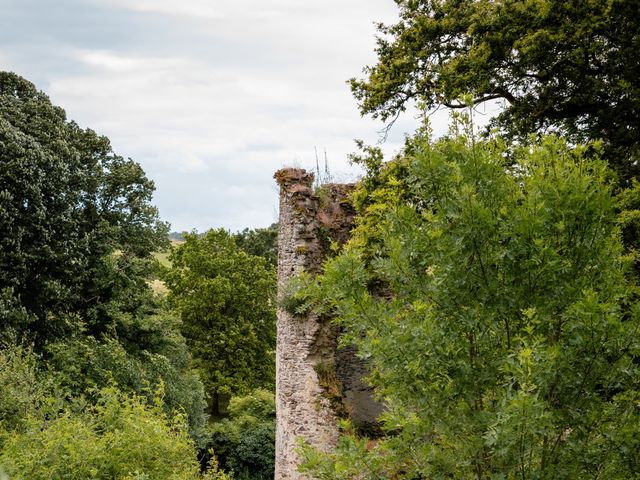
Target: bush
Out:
[122,437]
[160,356]
[245,442]
[22,392]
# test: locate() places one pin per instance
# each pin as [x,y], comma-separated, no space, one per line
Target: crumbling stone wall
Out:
[315,383]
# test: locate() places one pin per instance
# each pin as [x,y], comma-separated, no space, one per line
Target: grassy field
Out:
[163,257]
[158,285]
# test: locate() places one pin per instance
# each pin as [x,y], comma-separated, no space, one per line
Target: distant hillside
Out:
[176,236]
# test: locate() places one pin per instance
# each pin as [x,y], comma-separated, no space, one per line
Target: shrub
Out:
[245,442]
[122,437]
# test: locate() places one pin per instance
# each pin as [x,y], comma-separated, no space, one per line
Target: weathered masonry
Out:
[316,383]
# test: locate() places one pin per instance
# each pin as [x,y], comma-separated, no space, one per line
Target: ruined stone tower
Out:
[306,354]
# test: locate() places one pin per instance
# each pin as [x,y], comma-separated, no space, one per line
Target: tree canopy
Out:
[77,230]
[225,299]
[261,242]
[494,302]
[569,66]
[76,223]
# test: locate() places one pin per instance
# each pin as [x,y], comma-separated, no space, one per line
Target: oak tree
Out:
[568,66]
[225,299]
[76,224]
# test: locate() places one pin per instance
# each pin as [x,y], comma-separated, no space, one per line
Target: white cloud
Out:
[194,8]
[212,97]
[246,9]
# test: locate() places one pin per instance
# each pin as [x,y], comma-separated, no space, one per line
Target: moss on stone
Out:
[332,388]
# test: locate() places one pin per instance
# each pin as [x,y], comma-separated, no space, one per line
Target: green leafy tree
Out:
[76,224]
[568,66]
[244,443]
[77,230]
[225,299]
[261,242]
[495,306]
[157,356]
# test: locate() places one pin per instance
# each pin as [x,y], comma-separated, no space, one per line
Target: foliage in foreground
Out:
[493,301]
[45,435]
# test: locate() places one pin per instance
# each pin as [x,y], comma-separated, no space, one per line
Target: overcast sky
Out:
[210,96]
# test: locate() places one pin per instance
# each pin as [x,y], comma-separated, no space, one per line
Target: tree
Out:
[494,302]
[77,230]
[148,355]
[244,443]
[76,224]
[566,66]
[261,242]
[225,299]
